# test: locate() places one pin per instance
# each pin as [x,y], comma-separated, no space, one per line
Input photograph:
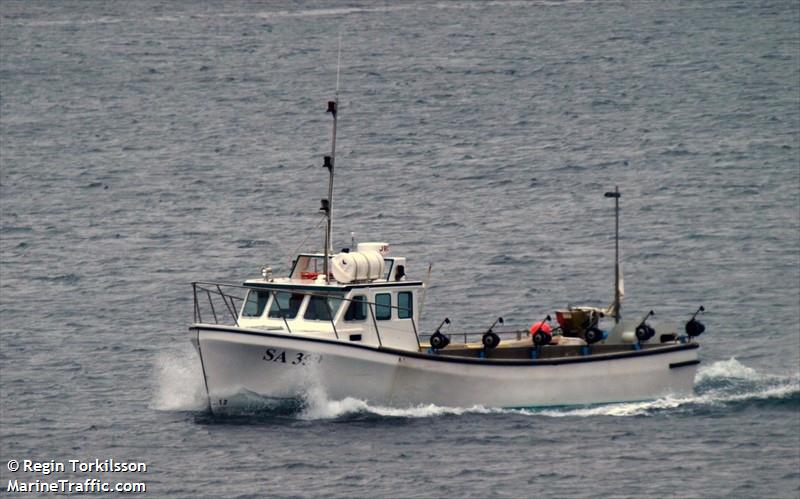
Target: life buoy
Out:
[309,275]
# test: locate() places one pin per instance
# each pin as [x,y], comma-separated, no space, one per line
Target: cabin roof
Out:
[312,285]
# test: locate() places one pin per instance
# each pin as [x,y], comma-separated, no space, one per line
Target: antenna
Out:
[327,204]
[338,66]
[617,291]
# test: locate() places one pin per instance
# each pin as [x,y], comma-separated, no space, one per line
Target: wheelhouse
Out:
[380,312]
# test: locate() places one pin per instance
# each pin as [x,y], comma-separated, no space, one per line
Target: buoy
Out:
[541,326]
[541,333]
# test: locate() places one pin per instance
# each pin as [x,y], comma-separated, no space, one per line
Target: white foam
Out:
[618,409]
[730,368]
[330,409]
[431,410]
[178,382]
[774,392]
[319,406]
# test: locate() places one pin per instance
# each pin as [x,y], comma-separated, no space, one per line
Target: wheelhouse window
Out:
[286,305]
[255,303]
[405,305]
[308,267]
[322,308]
[383,306]
[357,310]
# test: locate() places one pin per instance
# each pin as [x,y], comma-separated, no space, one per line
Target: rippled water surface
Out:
[145,145]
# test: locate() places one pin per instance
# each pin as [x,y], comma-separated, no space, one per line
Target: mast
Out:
[617,291]
[327,204]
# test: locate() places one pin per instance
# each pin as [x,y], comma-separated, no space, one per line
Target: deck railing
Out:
[511,333]
[214,291]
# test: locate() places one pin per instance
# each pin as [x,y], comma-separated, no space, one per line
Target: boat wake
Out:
[723,385]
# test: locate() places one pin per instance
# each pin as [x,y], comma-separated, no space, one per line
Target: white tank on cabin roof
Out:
[382,248]
[358,266]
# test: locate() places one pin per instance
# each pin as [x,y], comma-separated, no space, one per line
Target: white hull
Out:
[282,366]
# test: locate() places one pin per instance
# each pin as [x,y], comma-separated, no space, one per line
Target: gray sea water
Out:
[144,145]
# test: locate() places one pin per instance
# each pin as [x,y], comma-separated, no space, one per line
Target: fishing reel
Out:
[594,334]
[490,338]
[438,340]
[695,327]
[644,331]
[541,332]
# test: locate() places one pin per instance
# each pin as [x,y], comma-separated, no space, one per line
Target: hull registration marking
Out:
[293,358]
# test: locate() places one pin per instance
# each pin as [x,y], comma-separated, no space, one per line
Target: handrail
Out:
[197,317]
[231,308]
[211,302]
[518,332]
[227,299]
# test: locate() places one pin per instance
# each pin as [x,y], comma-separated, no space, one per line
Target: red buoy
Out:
[541,326]
[541,334]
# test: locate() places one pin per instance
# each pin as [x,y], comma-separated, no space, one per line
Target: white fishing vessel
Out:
[348,323]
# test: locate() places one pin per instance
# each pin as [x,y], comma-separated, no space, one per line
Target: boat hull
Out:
[282,366]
